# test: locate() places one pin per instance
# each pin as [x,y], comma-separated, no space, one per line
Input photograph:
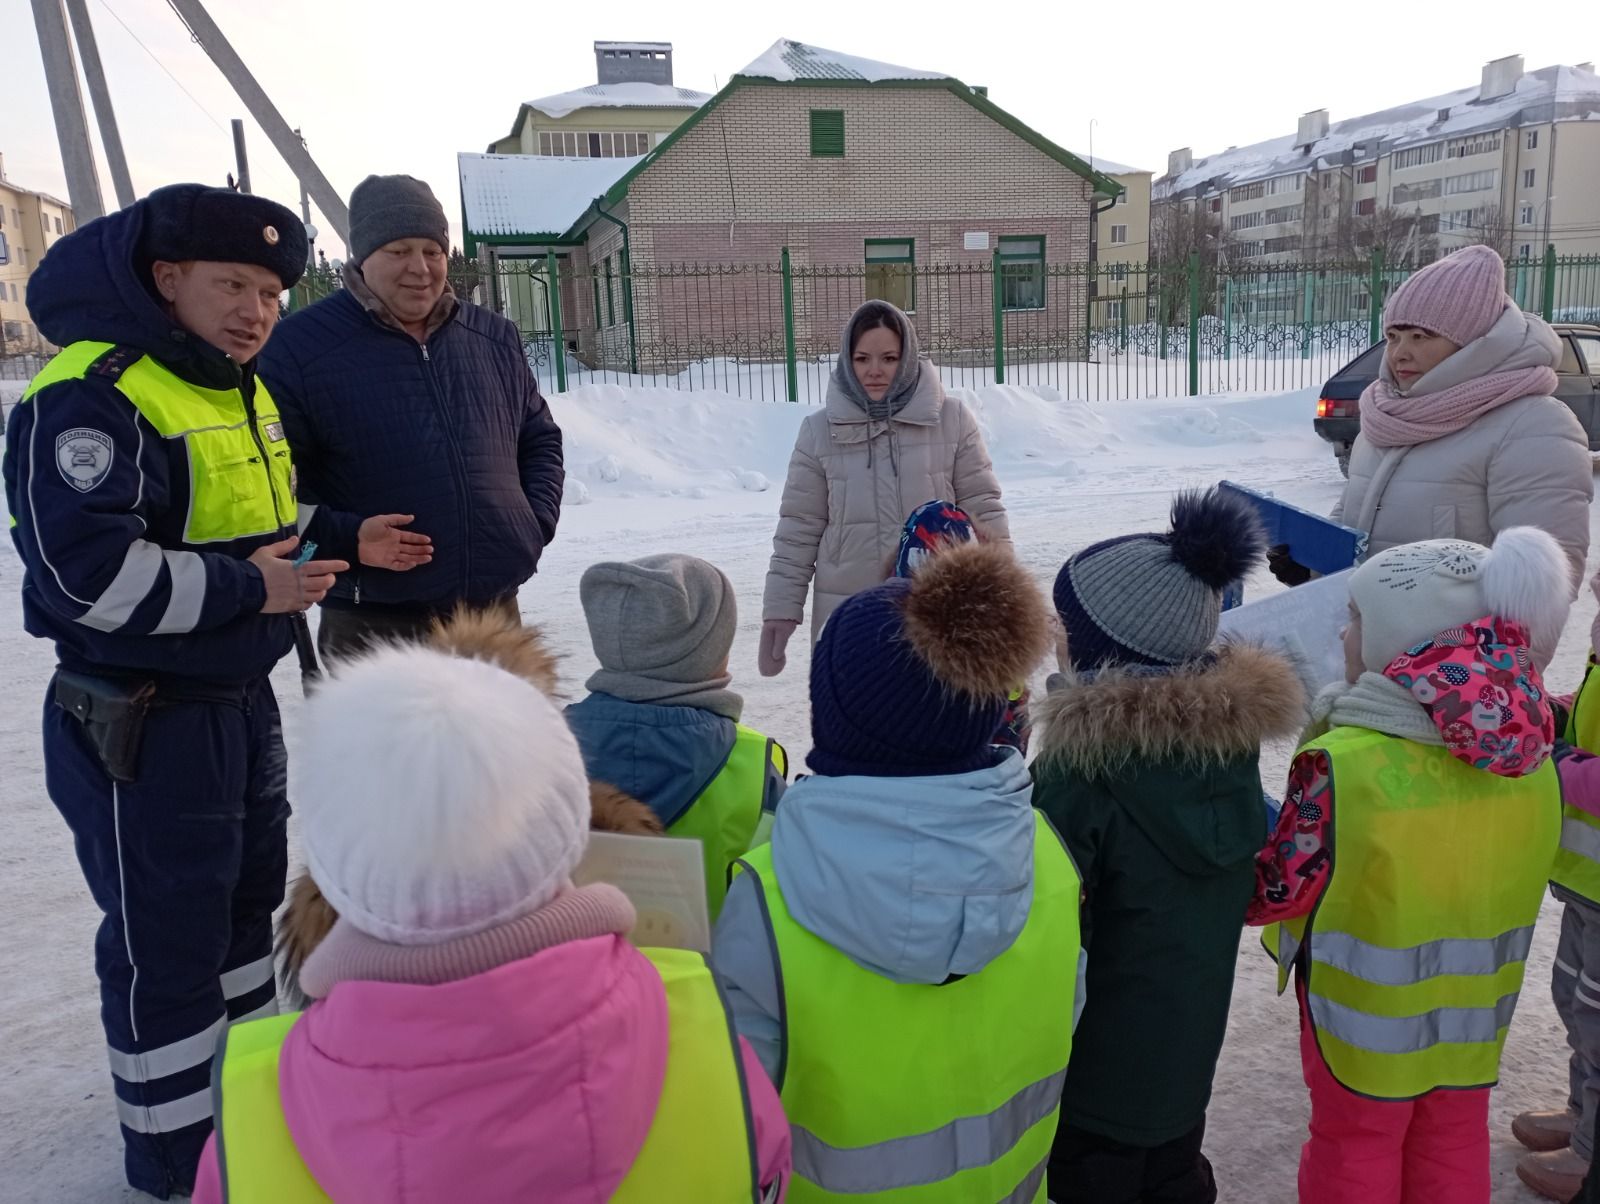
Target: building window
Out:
[891,272]
[1122,197]
[1245,221]
[611,306]
[1367,207]
[1533,139]
[827,133]
[1119,235]
[1368,174]
[1478,144]
[1288,213]
[1022,272]
[1216,204]
[1417,156]
[594,279]
[1422,190]
[58,225]
[1247,192]
[1428,223]
[5,250]
[1473,181]
[1528,178]
[1467,219]
[1116,311]
[1525,215]
[1277,246]
[601,144]
[1525,251]
[1249,250]
[1285,184]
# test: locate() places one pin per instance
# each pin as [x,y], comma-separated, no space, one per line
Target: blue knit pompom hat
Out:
[910,678]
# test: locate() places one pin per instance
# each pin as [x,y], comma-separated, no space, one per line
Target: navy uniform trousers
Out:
[187,865]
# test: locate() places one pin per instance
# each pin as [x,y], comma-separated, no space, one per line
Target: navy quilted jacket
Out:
[453,431]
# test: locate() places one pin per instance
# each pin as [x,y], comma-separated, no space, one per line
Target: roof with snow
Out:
[793,62]
[530,198]
[1110,167]
[619,96]
[1549,94]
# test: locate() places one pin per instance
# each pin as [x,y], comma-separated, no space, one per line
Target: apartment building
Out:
[1513,163]
[1120,242]
[30,223]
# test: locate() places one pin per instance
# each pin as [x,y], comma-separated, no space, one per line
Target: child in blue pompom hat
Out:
[935,525]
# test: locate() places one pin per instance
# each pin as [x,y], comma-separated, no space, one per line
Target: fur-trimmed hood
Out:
[1201,714]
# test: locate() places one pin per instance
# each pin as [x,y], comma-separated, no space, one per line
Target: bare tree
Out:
[1404,238]
[1492,229]
[1179,229]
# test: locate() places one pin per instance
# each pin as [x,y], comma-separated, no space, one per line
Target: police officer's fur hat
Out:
[193,221]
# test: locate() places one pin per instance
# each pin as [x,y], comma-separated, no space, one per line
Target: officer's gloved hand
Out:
[1285,568]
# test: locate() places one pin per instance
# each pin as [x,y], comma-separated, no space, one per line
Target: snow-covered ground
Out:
[664,470]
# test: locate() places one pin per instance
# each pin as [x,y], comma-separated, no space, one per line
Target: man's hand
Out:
[384,545]
[1285,568]
[291,589]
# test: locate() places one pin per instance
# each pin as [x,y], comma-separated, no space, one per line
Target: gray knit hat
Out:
[1156,599]
[386,208]
[661,627]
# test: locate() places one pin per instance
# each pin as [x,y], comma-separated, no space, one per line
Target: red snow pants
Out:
[1430,1150]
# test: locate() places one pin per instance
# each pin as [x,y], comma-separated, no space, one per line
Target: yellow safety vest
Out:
[701,1145]
[1578,863]
[1413,957]
[903,1093]
[240,480]
[726,815]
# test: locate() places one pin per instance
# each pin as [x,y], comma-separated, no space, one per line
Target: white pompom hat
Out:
[438,796]
[1409,594]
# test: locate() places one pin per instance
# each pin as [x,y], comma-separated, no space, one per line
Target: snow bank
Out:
[669,443]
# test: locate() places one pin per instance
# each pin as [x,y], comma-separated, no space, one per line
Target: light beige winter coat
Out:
[1525,463]
[853,483]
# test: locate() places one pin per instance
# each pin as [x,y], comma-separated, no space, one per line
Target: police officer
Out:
[152,502]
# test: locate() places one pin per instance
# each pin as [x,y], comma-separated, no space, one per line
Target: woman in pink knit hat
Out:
[1460,436]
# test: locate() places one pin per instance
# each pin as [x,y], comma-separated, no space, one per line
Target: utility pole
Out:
[305,216]
[205,31]
[240,159]
[66,102]
[110,139]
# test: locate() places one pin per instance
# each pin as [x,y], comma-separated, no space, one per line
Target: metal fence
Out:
[770,331]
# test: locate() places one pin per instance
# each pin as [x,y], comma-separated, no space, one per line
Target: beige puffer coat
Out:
[849,492]
[1525,463]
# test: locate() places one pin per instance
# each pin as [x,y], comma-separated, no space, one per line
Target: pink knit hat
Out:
[1461,297]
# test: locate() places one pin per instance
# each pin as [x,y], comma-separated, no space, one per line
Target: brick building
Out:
[880,180]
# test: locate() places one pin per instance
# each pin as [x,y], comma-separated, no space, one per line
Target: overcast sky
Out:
[377,89]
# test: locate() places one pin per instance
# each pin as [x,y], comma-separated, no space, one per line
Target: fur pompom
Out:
[304,925]
[488,635]
[976,617]
[610,810]
[1215,536]
[1527,578]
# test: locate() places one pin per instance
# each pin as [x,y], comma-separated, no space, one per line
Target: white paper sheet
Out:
[663,877]
[1303,624]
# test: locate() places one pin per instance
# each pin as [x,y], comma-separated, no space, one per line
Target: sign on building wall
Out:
[975,240]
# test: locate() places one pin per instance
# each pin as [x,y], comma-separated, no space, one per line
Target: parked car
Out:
[1339,414]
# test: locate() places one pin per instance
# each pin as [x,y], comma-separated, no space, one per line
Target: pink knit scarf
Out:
[1390,418]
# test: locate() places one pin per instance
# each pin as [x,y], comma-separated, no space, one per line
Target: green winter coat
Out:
[1153,782]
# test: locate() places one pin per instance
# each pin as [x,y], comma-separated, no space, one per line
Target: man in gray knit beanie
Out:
[385,209]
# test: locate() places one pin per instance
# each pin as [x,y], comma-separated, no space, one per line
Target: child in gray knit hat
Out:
[660,722]
[1148,750]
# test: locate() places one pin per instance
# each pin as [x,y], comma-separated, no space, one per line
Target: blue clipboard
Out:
[1322,545]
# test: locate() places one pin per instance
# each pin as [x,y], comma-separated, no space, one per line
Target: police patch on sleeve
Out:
[274,432]
[84,457]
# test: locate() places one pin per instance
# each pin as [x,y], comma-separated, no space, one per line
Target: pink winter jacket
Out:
[536,1080]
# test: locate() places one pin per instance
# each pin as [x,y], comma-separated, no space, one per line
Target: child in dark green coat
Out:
[1148,743]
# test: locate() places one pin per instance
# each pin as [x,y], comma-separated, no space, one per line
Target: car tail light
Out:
[1327,407]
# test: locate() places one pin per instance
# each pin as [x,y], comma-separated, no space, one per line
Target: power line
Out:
[106,5]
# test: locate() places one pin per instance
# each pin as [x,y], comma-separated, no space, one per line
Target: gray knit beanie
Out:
[662,628]
[1156,599]
[386,208]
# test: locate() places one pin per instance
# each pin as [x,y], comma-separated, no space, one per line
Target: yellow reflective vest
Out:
[1413,957]
[905,1093]
[1578,863]
[700,1147]
[726,816]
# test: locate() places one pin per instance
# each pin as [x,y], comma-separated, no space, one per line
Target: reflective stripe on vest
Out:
[701,1145]
[1414,954]
[233,492]
[1578,863]
[725,815]
[903,1093]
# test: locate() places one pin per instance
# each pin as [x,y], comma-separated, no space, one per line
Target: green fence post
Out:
[1194,323]
[999,320]
[1375,300]
[1307,313]
[1122,340]
[1161,317]
[788,326]
[1547,303]
[558,351]
[1227,318]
